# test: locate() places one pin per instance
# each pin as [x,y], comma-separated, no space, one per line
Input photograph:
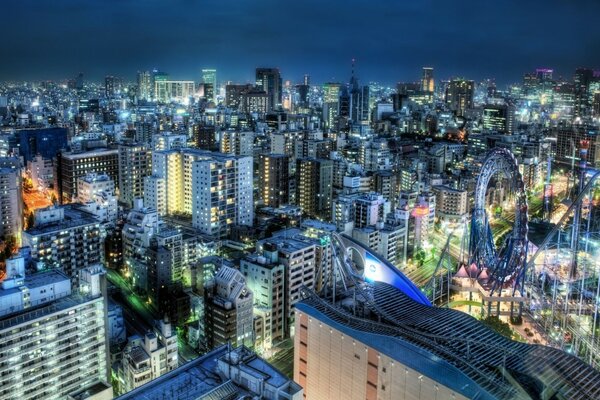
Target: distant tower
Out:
[209,79]
[269,81]
[427,81]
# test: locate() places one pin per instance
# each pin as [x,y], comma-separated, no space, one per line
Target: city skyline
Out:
[182,37]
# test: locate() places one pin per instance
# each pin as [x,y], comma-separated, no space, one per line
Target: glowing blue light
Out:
[376,271]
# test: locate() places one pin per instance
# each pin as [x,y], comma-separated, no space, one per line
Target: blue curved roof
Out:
[378,269]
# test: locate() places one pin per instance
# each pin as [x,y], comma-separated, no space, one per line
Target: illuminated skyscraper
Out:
[331,103]
[314,186]
[459,95]
[274,179]
[135,162]
[145,85]
[269,81]
[427,81]
[11,203]
[209,77]
[112,86]
[499,118]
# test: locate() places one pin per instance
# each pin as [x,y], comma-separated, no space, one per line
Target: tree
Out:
[420,257]
[495,324]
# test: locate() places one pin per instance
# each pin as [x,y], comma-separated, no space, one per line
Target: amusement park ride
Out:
[556,295]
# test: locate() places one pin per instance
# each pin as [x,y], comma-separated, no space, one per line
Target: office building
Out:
[314,186]
[269,81]
[331,104]
[167,91]
[209,77]
[47,142]
[223,373]
[112,86]
[65,238]
[56,336]
[204,137]
[255,101]
[234,94]
[427,81]
[228,306]
[273,174]
[498,119]
[459,95]
[70,166]
[370,209]
[145,85]
[135,164]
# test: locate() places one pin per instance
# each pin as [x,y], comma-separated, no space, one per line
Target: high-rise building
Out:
[273,172]
[145,85]
[71,166]
[265,276]
[255,101]
[228,309]
[459,95]
[56,336]
[222,195]
[215,189]
[331,104]
[236,142]
[499,118]
[112,86]
[65,238]
[582,80]
[135,163]
[427,81]
[314,186]
[11,203]
[269,81]
[204,137]
[305,259]
[178,91]
[209,77]
[233,95]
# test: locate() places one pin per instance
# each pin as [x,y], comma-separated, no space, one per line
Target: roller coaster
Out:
[560,301]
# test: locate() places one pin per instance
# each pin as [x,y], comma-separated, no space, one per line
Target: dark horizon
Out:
[391,41]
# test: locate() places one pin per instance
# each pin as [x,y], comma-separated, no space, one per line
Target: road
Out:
[138,317]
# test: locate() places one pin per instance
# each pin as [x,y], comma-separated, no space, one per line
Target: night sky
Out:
[390,39]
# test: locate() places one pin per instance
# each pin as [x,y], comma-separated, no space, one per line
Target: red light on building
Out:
[420,211]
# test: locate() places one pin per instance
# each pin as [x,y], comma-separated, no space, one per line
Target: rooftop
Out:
[73,217]
[451,347]
[201,379]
